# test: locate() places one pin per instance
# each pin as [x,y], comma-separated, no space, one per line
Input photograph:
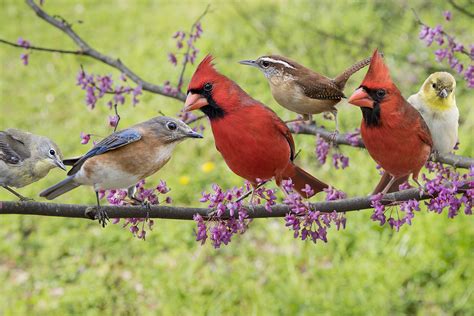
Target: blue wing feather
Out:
[111,142]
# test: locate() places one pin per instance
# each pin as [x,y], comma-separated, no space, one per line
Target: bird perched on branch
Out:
[300,89]
[254,141]
[26,158]
[436,102]
[125,157]
[394,133]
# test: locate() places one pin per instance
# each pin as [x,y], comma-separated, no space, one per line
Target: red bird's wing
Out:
[281,126]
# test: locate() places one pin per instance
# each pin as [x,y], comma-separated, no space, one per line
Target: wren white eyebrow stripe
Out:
[284,63]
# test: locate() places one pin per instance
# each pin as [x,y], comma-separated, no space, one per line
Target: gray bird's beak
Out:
[193,134]
[249,63]
[443,93]
[60,164]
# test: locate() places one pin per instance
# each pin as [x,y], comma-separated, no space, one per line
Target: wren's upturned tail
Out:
[341,80]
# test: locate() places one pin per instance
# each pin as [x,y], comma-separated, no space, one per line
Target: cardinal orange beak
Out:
[361,98]
[194,101]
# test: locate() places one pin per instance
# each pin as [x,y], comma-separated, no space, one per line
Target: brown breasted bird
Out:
[300,89]
[125,157]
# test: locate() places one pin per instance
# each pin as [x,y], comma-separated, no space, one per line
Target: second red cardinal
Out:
[393,131]
[254,141]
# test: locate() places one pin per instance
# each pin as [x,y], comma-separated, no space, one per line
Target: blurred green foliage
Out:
[59,266]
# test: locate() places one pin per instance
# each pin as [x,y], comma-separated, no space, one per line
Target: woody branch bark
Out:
[342,139]
[187,213]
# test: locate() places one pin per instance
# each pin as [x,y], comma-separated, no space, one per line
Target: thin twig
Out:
[461,9]
[87,50]
[186,56]
[118,117]
[451,38]
[44,49]
[342,139]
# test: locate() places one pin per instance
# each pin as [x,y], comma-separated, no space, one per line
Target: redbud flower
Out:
[85,138]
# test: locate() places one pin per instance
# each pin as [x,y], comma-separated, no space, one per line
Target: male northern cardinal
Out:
[436,102]
[254,141]
[393,131]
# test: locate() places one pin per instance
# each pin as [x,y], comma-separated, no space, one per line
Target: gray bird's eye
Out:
[265,64]
[52,152]
[171,126]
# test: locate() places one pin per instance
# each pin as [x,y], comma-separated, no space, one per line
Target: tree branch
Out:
[186,56]
[461,9]
[187,213]
[419,21]
[342,139]
[87,50]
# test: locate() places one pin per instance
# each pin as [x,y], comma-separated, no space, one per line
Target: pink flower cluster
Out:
[230,216]
[97,86]
[147,196]
[306,222]
[449,52]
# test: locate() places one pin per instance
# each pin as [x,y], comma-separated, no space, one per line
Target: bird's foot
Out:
[96,212]
[26,199]
[333,137]
[420,188]
[143,203]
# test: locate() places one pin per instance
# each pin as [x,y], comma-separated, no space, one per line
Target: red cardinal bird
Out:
[253,140]
[393,131]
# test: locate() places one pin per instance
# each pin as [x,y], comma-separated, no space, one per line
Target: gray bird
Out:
[124,158]
[26,158]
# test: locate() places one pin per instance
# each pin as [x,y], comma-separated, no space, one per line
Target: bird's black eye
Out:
[52,152]
[380,93]
[208,87]
[265,64]
[171,126]
[434,85]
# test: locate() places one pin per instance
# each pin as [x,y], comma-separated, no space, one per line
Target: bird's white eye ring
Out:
[52,152]
[171,126]
[265,64]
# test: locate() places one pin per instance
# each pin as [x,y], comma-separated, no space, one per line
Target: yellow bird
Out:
[436,102]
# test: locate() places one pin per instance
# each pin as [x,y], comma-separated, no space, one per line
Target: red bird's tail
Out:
[384,182]
[301,178]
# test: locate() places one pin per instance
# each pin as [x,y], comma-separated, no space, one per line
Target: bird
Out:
[124,158]
[26,158]
[254,142]
[393,131]
[436,102]
[302,90]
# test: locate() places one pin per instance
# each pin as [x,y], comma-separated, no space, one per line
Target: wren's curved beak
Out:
[59,163]
[249,63]
[361,98]
[194,101]
[443,93]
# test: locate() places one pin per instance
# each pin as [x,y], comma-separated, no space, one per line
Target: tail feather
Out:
[341,80]
[59,188]
[384,182]
[71,161]
[301,178]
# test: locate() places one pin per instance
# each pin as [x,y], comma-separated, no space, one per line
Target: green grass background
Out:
[53,266]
